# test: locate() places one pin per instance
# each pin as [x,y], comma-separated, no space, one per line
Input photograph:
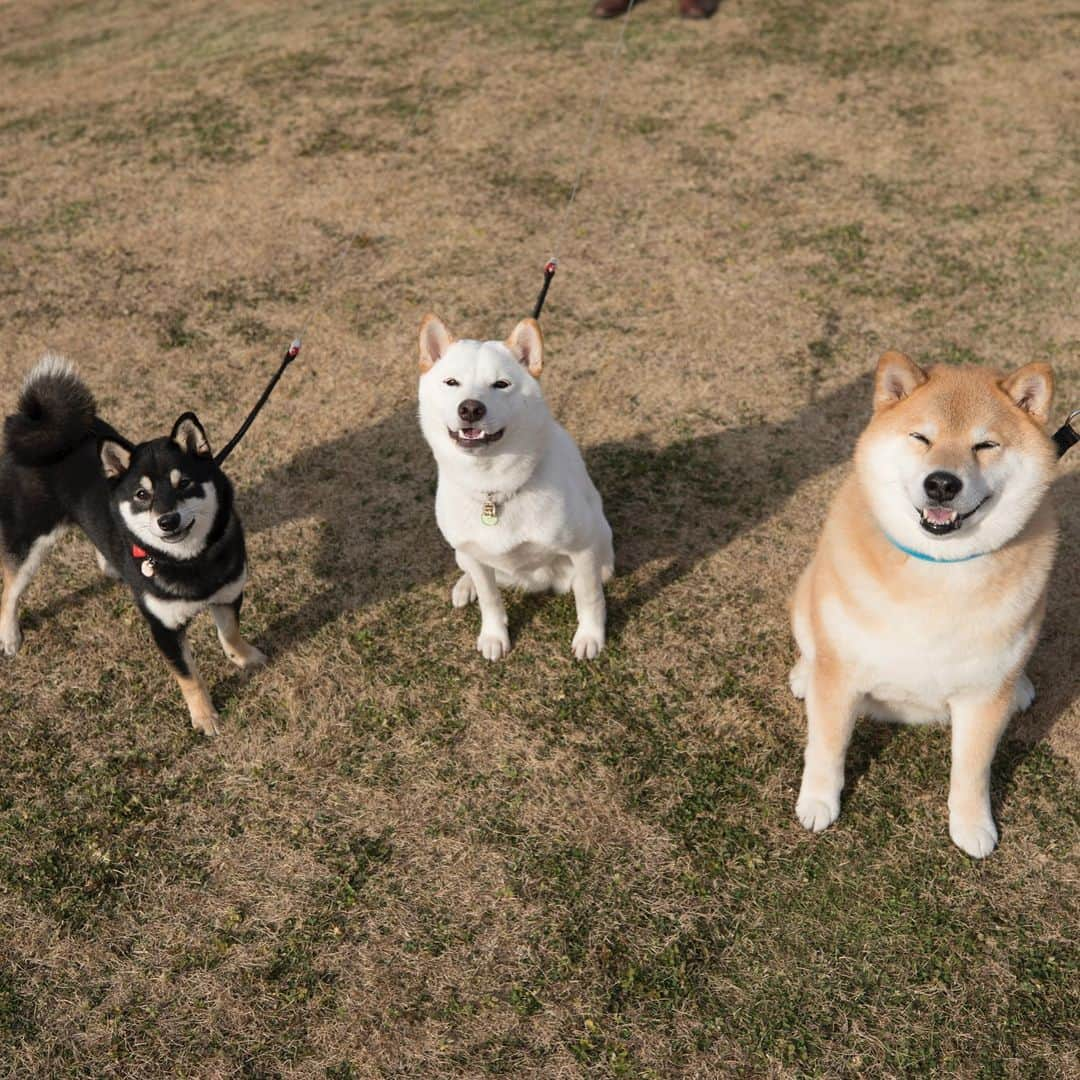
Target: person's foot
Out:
[698,9]
[609,9]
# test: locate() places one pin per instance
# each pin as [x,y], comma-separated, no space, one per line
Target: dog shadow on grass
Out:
[372,491]
[670,507]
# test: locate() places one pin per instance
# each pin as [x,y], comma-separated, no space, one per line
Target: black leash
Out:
[1065,438]
[291,353]
[549,273]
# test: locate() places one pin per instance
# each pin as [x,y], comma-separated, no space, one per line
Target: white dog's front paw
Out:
[494,645]
[1023,693]
[976,838]
[587,643]
[799,678]
[817,810]
[464,592]
[11,641]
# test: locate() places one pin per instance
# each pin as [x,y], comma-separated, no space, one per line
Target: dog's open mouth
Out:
[177,535]
[473,437]
[942,520]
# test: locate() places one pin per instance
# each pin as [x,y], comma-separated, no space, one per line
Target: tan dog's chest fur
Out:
[885,633]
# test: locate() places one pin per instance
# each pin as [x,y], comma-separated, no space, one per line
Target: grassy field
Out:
[399,860]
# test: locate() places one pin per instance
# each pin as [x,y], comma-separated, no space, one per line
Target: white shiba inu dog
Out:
[514,500]
[924,599]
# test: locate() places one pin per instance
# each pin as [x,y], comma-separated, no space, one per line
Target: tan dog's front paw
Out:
[11,641]
[816,810]
[975,838]
[1023,694]
[799,678]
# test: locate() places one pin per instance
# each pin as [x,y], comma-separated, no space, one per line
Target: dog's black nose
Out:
[169,522]
[470,411]
[942,486]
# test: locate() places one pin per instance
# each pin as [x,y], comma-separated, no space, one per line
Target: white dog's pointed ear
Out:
[189,435]
[527,344]
[115,459]
[897,377]
[435,339]
[1032,388]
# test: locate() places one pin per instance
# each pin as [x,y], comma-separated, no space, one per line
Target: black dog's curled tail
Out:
[55,413]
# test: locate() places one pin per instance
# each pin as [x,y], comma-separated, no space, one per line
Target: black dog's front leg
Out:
[227,620]
[174,647]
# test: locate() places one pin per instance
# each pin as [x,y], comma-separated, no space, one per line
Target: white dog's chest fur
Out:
[913,659]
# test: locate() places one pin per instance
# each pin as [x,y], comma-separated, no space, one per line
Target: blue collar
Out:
[930,558]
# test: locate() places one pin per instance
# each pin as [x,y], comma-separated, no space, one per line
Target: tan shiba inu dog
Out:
[924,599]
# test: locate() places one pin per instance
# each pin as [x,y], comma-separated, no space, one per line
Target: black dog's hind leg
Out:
[174,647]
[18,573]
[227,620]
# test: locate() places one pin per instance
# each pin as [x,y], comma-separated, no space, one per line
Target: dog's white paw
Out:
[799,678]
[1023,693]
[206,722]
[816,811]
[493,646]
[587,643]
[975,838]
[10,641]
[464,592]
[250,657]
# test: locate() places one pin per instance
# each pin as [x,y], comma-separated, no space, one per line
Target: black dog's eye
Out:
[988,445]
[141,495]
[451,382]
[920,438]
[184,484]
[502,384]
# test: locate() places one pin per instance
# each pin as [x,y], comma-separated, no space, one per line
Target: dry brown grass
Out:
[398,860]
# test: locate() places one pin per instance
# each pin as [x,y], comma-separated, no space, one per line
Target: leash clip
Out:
[549,272]
[1066,437]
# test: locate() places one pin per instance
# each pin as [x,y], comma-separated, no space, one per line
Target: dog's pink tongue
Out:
[939,515]
[471,433]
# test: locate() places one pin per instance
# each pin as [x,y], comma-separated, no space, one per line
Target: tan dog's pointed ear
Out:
[527,344]
[897,377]
[435,339]
[1032,388]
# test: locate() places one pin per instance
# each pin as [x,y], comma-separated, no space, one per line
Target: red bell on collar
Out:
[137,552]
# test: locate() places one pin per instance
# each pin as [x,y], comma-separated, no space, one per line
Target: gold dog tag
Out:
[490,514]
[147,568]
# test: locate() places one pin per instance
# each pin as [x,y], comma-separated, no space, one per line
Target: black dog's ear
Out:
[115,458]
[188,434]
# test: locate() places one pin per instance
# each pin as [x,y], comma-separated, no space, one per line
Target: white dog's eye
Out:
[918,437]
[451,382]
[501,384]
[988,445]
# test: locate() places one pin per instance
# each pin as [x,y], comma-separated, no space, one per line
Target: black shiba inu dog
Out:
[160,515]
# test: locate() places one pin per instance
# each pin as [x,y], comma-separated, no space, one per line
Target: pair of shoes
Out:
[688,9]
[698,9]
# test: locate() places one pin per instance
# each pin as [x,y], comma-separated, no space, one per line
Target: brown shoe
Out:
[610,9]
[698,9]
